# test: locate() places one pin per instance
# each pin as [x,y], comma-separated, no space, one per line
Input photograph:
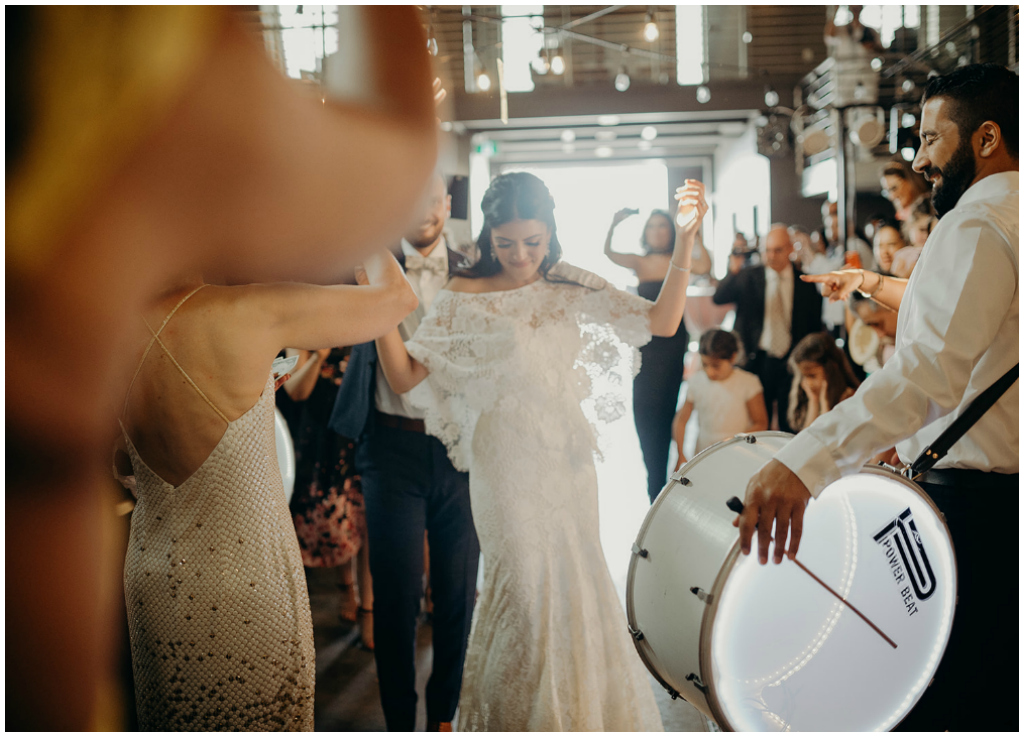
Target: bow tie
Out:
[414,263]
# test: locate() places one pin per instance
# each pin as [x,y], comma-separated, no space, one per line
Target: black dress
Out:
[655,395]
[327,504]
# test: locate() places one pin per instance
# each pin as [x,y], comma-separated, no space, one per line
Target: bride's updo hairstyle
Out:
[517,195]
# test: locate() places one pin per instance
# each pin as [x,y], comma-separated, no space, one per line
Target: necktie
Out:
[779,340]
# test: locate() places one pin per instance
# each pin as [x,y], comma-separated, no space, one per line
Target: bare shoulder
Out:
[466,285]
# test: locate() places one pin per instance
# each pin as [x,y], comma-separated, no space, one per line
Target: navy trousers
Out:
[976,685]
[410,485]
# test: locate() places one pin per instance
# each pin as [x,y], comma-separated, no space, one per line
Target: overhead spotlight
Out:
[703,94]
[877,63]
[747,37]
[649,133]
[771,98]
[483,82]
[907,120]
[622,80]
[867,127]
[908,153]
[651,31]
[557,64]
[603,152]
[568,136]
[908,85]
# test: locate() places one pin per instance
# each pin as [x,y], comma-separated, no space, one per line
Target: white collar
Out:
[990,186]
[785,275]
[439,253]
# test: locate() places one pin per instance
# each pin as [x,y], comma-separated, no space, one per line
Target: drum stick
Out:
[737,506]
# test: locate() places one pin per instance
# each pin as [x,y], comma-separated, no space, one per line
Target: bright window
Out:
[691,55]
[307,36]
[521,41]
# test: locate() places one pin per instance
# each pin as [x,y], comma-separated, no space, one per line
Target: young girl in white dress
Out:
[728,399]
[502,365]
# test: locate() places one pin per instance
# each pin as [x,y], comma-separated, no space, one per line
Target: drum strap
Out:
[981,404]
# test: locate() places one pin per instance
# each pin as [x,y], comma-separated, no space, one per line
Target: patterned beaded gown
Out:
[218,612]
[510,375]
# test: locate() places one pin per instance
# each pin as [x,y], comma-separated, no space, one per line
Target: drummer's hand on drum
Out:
[775,495]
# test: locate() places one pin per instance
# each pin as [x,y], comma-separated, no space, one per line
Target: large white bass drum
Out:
[285,453]
[851,647]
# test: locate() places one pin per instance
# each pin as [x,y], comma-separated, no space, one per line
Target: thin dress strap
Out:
[156,339]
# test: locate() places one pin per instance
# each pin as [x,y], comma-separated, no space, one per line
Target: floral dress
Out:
[327,504]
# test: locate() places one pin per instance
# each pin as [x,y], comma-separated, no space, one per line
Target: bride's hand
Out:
[690,211]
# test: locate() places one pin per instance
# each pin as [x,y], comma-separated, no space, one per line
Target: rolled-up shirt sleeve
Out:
[957,300]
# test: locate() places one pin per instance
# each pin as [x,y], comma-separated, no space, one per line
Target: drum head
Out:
[782,653]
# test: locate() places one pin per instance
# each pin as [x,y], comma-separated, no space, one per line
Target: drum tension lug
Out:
[751,439]
[701,594]
[637,634]
[637,550]
[695,679]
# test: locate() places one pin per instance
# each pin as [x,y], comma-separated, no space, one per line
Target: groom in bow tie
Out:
[410,486]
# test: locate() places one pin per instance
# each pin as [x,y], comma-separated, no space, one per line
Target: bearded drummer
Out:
[957,334]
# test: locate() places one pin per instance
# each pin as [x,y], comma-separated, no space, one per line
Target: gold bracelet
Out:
[881,283]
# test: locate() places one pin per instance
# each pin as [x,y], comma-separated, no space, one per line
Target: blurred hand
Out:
[690,196]
[837,285]
[812,396]
[621,215]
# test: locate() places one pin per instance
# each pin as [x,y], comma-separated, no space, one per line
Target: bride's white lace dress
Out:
[510,375]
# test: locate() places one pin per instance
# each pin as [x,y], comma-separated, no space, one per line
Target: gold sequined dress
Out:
[218,610]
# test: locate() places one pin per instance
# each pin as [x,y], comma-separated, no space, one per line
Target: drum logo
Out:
[908,561]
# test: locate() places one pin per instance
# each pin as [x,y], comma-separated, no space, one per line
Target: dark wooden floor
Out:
[346,677]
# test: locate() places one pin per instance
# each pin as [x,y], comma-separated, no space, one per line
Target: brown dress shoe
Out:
[439,726]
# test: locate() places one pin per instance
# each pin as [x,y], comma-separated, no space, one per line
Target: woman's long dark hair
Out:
[516,195]
[821,349]
[671,226]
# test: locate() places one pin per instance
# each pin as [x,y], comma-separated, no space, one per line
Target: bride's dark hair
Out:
[517,195]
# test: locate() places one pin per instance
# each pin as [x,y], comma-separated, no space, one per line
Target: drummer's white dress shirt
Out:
[957,334]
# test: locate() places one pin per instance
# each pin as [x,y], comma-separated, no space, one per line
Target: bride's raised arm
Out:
[667,312]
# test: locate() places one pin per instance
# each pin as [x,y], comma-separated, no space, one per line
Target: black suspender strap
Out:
[981,404]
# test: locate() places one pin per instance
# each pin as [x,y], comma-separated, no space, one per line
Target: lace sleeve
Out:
[463,348]
[614,324]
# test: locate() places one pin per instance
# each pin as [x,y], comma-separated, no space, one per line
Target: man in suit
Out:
[774,311]
[410,486]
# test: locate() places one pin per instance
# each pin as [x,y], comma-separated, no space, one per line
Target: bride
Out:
[502,366]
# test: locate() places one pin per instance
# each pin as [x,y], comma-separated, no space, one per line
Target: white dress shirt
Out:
[775,281]
[957,334]
[426,283]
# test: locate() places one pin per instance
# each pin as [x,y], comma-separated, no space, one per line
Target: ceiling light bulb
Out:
[644,145]
[651,32]
[649,133]
[703,95]
[557,64]
[908,153]
[603,152]
[747,37]
[483,82]
[908,120]
[771,98]
[568,136]
[622,81]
